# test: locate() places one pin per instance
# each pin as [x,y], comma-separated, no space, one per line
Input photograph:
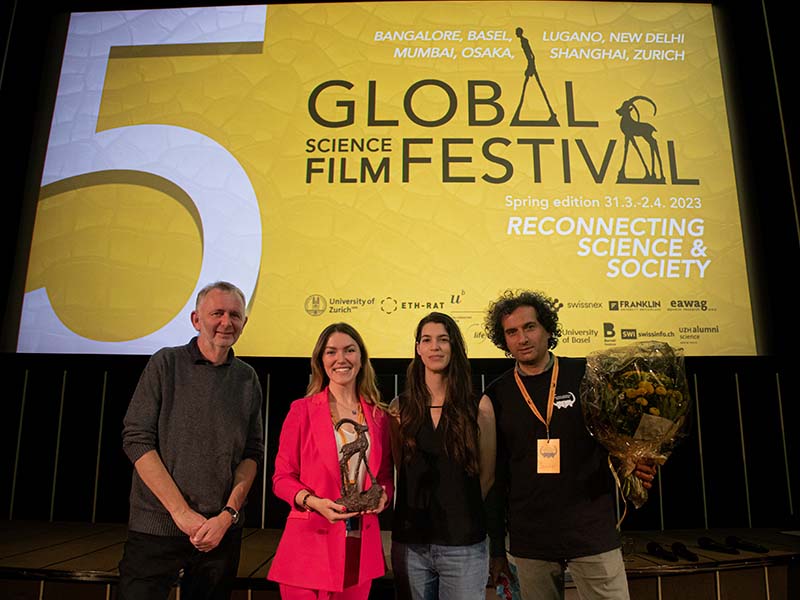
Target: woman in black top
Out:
[444,444]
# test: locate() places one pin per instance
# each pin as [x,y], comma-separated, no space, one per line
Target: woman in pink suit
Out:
[326,552]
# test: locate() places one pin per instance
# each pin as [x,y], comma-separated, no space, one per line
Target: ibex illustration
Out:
[632,127]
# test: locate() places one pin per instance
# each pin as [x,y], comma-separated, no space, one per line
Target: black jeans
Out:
[151,565]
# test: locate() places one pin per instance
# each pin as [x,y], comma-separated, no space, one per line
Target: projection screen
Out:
[371,162]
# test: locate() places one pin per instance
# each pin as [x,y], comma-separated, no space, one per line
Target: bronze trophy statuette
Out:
[354,500]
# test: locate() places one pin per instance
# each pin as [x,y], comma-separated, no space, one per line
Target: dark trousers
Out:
[151,565]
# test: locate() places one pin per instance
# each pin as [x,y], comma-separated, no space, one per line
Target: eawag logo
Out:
[701,305]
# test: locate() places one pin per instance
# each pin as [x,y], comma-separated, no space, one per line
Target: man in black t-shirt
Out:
[554,492]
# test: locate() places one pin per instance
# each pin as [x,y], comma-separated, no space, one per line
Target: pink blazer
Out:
[311,550]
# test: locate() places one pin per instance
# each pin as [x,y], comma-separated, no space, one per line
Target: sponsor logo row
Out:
[609,332]
[317,304]
[685,334]
[670,305]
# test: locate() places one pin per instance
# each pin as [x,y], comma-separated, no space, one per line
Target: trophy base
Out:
[362,501]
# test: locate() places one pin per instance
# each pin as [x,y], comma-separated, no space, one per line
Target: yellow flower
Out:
[661,390]
[631,392]
[654,411]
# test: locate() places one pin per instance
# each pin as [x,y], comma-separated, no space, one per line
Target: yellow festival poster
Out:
[371,162]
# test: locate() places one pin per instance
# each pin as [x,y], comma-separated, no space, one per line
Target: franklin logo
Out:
[315,305]
[634,304]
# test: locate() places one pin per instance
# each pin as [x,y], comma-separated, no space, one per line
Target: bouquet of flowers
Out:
[636,402]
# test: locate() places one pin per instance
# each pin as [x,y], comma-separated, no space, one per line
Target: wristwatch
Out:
[233,513]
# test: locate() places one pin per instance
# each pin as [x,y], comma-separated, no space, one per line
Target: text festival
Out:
[366,159]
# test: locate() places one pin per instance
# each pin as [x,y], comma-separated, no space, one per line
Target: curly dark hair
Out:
[546,312]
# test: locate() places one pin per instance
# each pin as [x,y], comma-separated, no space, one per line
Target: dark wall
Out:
[758,69]
[61,456]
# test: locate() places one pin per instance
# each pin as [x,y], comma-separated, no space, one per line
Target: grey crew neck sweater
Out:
[203,420]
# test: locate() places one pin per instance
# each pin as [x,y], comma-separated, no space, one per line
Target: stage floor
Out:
[91,552]
[85,553]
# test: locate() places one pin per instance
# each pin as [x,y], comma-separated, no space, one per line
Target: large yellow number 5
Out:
[214,180]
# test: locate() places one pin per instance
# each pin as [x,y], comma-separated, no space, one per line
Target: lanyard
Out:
[550,398]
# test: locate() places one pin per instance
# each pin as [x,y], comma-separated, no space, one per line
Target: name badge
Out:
[548,456]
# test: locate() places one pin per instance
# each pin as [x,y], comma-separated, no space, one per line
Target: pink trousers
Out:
[351,592]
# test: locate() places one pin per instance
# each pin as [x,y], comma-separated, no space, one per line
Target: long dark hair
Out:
[366,382]
[459,421]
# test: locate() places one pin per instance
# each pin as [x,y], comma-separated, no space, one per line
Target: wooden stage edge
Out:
[90,553]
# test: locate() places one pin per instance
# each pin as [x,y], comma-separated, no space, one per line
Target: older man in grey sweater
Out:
[193,432]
